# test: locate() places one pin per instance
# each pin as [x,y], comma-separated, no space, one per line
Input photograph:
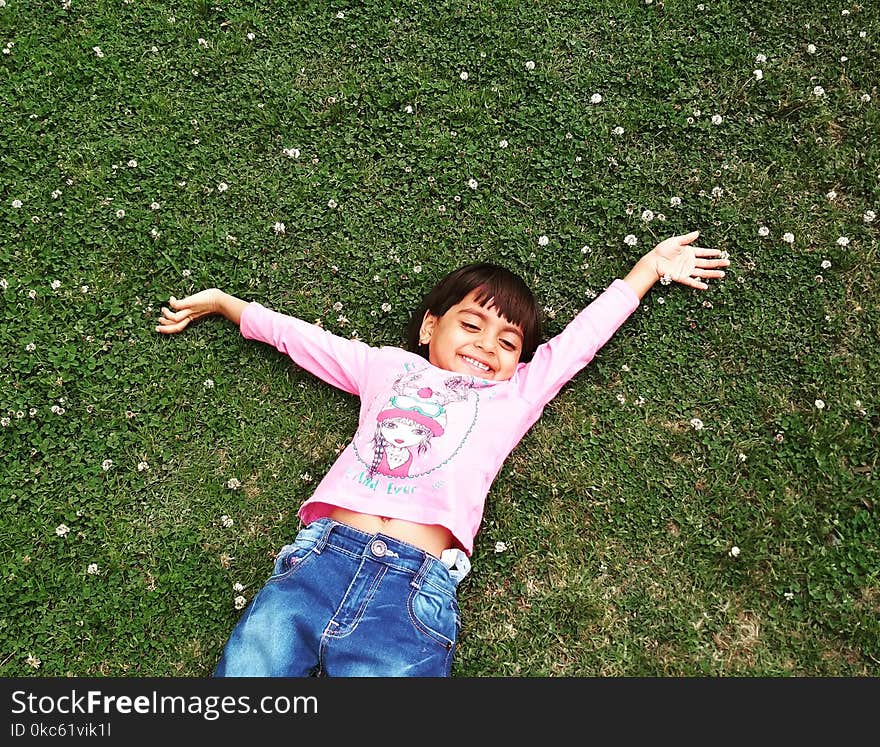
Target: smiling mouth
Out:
[474,363]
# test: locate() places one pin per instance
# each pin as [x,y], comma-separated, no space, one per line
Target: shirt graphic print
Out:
[419,426]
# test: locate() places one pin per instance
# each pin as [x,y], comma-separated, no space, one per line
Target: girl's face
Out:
[402,433]
[473,340]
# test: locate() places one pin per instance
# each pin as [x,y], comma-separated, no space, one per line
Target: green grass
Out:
[617,514]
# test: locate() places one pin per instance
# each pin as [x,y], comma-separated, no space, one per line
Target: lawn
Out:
[702,499]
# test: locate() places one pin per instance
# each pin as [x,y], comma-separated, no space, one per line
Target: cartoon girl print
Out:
[409,421]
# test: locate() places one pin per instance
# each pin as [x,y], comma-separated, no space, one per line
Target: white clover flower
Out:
[759,74]
[251,36]
[825,264]
[386,307]
[818,91]
[647,216]
[305,477]
[866,97]
[742,457]
[233,483]
[154,205]
[143,466]
[291,152]
[120,214]
[543,240]
[56,194]
[832,195]
[675,202]
[788,237]
[869,216]
[417,269]
[5,422]
[17,204]
[665,279]
[472,183]
[820,405]
[226,521]
[33,661]
[97,51]
[630,240]
[696,424]
[92,569]
[530,65]
[30,347]
[717,192]
[734,552]
[337,306]
[617,130]
[500,547]
[621,399]
[789,595]
[237,586]
[761,58]
[203,43]
[596,98]
[811,49]
[240,602]
[4,283]
[208,383]
[763,231]
[503,144]
[222,187]
[132,164]
[61,530]
[717,119]
[340,15]
[408,109]
[331,203]
[279,228]
[463,75]
[186,273]
[842,241]
[106,465]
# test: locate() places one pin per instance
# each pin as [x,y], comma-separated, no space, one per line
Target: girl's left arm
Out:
[676,259]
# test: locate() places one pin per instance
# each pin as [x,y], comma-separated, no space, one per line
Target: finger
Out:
[168,327]
[709,273]
[701,251]
[708,263]
[692,282]
[688,238]
[176,316]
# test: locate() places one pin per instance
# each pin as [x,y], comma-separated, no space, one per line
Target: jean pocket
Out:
[290,558]
[434,614]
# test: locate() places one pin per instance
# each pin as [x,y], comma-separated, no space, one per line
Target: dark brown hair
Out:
[495,286]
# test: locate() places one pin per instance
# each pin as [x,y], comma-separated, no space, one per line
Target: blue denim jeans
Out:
[346,603]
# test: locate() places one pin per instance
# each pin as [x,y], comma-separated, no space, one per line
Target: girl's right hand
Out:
[188,309]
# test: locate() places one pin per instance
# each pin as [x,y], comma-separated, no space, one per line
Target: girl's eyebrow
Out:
[484,316]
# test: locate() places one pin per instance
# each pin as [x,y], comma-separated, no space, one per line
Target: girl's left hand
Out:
[675,259]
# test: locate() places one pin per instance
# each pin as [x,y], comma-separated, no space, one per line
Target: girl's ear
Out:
[427,328]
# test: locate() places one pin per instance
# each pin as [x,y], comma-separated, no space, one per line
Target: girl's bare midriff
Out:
[431,538]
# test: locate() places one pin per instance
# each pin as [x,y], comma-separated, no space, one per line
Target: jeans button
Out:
[378,548]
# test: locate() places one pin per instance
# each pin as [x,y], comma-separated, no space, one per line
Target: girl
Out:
[368,587]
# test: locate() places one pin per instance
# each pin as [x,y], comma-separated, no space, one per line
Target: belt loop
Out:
[325,537]
[416,583]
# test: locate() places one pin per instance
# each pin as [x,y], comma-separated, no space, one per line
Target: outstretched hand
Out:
[187,310]
[675,259]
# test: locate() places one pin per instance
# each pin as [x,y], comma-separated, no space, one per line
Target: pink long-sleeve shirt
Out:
[430,442]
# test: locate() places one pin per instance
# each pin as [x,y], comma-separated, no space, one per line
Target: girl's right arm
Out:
[203,303]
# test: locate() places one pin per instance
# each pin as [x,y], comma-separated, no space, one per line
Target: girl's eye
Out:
[469,326]
[508,345]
